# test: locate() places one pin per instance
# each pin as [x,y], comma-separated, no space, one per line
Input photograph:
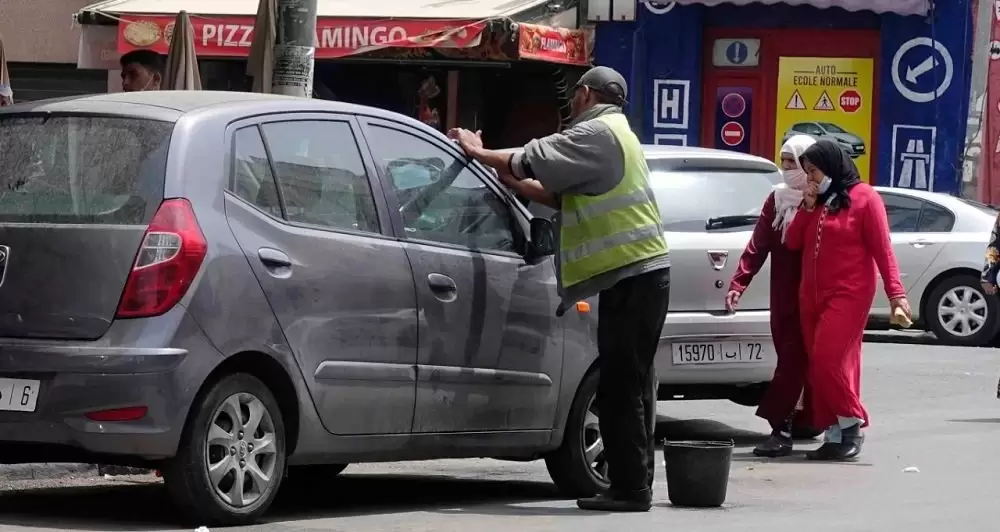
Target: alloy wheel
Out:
[593,444]
[962,311]
[241,450]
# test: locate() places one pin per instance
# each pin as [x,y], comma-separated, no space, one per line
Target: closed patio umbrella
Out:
[181,71]
[261,59]
[6,94]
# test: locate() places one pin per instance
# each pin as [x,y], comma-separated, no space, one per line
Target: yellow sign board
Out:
[827,98]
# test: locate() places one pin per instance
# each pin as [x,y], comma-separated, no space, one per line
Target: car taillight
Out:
[168,260]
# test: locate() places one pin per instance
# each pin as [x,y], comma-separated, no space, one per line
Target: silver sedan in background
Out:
[939,242]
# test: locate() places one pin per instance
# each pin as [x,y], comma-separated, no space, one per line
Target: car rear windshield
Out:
[81,169]
[690,197]
[988,209]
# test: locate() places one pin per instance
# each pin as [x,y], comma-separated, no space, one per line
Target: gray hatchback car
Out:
[224,286]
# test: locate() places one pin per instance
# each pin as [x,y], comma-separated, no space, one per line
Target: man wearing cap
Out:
[610,243]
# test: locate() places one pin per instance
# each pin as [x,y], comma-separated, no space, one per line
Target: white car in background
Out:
[939,242]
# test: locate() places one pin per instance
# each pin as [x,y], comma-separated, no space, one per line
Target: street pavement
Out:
[933,408]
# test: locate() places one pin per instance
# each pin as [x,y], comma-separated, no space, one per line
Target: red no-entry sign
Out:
[733,133]
[850,101]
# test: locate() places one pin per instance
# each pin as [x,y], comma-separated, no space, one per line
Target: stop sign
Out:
[850,101]
[733,133]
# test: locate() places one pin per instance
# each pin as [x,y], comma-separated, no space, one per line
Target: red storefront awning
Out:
[230,36]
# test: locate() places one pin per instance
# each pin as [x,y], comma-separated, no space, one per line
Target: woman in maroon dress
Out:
[785,393]
[843,233]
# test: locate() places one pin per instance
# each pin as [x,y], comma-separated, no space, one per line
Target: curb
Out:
[57,471]
[46,471]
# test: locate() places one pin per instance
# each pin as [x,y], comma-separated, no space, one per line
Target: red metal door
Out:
[763,78]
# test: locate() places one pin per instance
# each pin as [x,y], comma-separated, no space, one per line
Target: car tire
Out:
[572,471]
[215,499]
[964,290]
[750,396]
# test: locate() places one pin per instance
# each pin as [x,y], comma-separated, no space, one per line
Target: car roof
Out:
[171,105]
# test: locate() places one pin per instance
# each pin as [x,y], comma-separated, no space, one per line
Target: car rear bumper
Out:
[707,327]
[77,378]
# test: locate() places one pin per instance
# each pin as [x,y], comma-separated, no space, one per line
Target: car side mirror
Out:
[542,242]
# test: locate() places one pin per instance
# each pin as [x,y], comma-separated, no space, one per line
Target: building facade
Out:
[41,42]
[891,89]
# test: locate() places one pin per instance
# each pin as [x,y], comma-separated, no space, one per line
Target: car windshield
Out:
[832,128]
[689,198]
[988,209]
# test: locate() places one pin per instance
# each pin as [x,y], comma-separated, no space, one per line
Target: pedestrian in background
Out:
[843,232]
[991,264]
[610,243]
[142,70]
[785,393]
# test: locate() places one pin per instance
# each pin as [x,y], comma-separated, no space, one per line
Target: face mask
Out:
[824,185]
[795,178]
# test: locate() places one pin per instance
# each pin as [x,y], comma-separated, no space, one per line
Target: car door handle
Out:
[274,259]
[441,283]
[921,243]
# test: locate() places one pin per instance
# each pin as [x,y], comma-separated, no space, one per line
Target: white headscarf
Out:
[788,197]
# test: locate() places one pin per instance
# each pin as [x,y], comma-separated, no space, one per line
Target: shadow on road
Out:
[911,338]
[143,507]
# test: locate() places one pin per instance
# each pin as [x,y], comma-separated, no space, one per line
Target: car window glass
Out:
[688,199]
[815,130]
[252,177]
[935,219]
[903,212]
[440,198]
[321,174]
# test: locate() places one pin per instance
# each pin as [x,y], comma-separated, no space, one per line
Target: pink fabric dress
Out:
[840,252]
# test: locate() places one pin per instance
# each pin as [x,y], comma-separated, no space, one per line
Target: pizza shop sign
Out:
[232,36]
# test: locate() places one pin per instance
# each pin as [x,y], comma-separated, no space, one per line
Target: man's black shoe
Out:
[636,501]
[852,440]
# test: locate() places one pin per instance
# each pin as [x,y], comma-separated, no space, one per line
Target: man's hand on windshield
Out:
[469,142]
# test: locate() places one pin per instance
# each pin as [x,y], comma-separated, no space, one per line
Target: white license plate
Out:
[18,395]
[747,352]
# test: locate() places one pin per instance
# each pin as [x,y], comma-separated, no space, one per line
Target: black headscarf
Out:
[833,161]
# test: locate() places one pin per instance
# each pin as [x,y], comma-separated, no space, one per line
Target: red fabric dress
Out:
[786,269]
[836,295]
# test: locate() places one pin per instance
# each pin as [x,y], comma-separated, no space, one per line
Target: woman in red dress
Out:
[785,393]
[843,233]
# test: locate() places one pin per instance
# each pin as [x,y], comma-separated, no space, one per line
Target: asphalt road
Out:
[933,408]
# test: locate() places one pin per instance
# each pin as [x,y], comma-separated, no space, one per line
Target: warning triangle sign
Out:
[796,101]
[824,103]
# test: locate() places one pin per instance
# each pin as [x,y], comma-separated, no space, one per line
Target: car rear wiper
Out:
[728,222]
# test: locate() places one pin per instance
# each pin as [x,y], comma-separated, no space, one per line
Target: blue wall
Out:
[669,47]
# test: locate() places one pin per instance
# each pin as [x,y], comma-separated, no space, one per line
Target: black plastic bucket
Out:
[698,472]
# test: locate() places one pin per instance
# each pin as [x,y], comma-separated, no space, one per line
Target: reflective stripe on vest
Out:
[603,233]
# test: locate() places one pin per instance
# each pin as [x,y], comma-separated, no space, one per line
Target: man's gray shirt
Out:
[584,159]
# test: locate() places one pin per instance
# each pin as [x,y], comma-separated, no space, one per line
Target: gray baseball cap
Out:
[606,81]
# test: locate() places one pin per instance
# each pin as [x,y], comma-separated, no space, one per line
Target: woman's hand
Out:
[903,304]
[989,288]
[809,196]
[732,300]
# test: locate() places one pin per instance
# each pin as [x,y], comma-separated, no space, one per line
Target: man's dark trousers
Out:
[630,321]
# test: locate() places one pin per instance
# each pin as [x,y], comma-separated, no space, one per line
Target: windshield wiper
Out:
[728,222]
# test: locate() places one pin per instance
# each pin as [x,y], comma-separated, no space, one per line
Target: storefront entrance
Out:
[763,86]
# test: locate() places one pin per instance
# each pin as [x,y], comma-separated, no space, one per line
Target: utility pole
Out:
[294,48]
